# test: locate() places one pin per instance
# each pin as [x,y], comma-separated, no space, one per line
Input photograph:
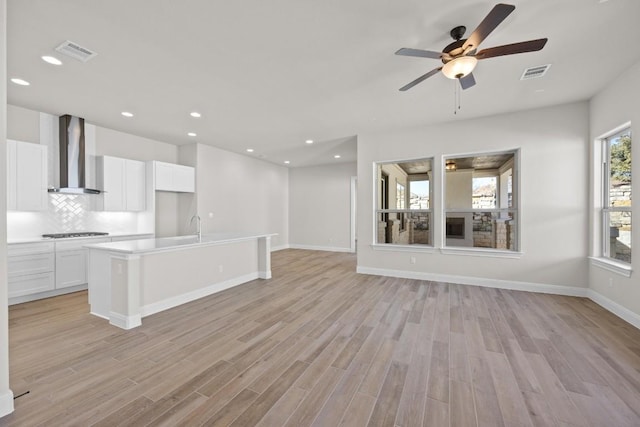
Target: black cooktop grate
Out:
[76,234]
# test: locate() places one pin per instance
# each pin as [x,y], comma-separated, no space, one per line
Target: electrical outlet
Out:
[412,260]
[220,269]
[610,282]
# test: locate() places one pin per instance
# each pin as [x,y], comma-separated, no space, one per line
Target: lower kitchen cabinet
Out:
[71,261]
[49,268]
[71,268]
[30,268]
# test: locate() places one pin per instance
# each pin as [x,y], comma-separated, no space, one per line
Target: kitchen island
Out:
[133,279]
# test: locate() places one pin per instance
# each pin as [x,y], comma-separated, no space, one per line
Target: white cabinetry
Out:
[71,261]
[30,268]
[26,176]
[172,177]
[122,182]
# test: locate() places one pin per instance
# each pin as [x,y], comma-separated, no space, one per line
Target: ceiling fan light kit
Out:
[459,67]
[461,57]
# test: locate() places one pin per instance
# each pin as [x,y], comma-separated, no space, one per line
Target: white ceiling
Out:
[270,74]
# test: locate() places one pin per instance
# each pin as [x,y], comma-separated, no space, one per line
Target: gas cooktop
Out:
[75,234]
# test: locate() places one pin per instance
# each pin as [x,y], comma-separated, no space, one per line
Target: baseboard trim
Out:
[125,322]
[279,248]
[477,281]
[6,403]
[615,308]
[168,303]
[320,248]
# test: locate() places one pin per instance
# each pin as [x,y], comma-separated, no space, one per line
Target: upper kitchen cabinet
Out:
[26,176]
[172,177]
[122,182]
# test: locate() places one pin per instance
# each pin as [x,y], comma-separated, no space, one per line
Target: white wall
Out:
[241,194]
[6,396]
[615,105]
[553,171]
[320,206]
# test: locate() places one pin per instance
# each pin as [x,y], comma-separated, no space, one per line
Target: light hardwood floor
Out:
[321,345]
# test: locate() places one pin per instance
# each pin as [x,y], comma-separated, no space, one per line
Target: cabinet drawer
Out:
[30,284]
[29,248]
[20,265]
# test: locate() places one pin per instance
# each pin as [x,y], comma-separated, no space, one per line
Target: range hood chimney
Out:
[72,157]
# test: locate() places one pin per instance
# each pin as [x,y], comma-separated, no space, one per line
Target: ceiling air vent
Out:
[535,72]
[76,51]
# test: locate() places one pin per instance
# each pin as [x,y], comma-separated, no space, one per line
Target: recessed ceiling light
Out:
[192,134]
[195,114]
[309,141]
[127,114]
[286,162]
[337,156]
[51,60]
[20,81]
[249,150]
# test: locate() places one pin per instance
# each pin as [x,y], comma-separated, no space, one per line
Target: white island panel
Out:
[195,273]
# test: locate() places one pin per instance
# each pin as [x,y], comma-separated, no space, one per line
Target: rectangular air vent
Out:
[76,51]
[535,72]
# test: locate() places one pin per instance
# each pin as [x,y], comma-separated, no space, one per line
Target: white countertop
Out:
[50,239]
[173,243]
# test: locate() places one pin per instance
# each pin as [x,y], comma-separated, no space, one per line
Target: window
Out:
[616,201]
[403,210]
[481,201]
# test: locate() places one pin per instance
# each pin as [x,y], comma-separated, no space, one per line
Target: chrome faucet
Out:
[198,225]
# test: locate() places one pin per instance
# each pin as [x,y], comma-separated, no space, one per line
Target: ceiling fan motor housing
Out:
[453,50]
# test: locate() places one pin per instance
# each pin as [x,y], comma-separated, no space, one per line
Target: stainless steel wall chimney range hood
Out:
[72,157]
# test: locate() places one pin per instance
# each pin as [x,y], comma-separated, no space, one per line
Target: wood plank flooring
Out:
[319,345]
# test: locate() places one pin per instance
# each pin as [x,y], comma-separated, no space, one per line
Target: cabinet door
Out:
[164,176]
[135,194]
[184,179]
[113,173]
[27,176]
[71,268]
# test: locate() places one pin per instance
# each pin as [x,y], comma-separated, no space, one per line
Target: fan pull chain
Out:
[456,96]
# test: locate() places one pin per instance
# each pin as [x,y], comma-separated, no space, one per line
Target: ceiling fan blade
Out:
[405,51]
[488,24]
[511,49]
[467,81]
[421,79]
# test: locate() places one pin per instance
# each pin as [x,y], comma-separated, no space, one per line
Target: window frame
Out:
[401,213]
[515,165]
[605,206]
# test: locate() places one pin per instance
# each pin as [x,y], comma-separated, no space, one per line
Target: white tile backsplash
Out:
[68,213]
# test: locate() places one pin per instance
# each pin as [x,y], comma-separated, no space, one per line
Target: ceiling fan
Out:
[461,57]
